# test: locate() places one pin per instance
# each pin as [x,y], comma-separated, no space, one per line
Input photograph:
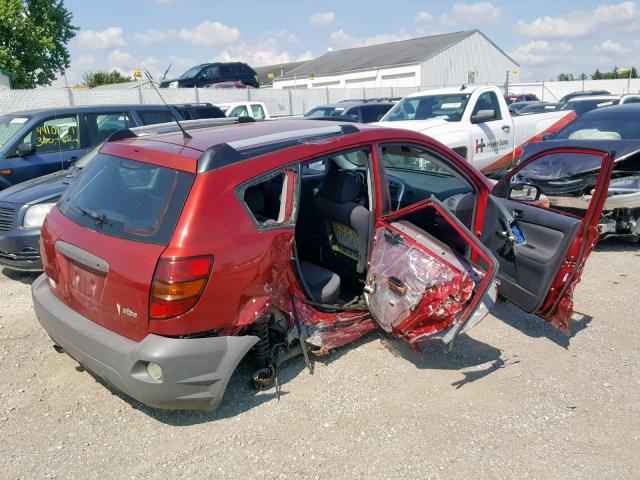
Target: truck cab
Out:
[475,122]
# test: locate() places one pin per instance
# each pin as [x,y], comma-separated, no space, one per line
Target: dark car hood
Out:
[621,148]
[40,188]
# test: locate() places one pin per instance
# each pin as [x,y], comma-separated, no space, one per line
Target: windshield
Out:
[600,129]
[127,199]
[9,125]
[192,72]
[449,108]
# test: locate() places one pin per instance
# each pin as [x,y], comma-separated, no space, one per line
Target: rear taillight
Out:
[177,285]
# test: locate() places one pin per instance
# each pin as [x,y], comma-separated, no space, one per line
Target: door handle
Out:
[518,214]
[506,128]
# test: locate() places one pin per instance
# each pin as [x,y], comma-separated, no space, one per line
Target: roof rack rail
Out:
[171,127]
[223,154]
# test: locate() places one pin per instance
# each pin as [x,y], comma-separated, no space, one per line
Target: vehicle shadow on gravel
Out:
[23,277]
[534,327]
[467,352]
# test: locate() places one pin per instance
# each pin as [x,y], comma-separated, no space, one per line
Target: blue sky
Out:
[546,37]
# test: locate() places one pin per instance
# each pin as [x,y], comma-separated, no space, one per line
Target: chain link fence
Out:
[285,102]
[278,102]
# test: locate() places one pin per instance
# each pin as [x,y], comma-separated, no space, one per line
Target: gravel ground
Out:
[514,400]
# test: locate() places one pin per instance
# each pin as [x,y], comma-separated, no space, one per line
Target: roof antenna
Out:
[463,87]
[185,135]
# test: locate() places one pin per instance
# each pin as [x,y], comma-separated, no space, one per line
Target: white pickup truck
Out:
[255,110]
[474,122]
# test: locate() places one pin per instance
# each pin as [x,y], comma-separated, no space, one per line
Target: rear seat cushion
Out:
[324,285]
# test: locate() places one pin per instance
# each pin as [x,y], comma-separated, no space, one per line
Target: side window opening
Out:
[488,101]
[152,117]
[54,135]
[415,174]
[240,111]
[258,112]
[101,126]
[271,200]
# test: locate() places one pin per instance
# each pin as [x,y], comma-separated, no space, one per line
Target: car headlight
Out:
[174,84]
[34,217]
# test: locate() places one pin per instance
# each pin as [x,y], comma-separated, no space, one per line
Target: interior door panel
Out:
[527,268]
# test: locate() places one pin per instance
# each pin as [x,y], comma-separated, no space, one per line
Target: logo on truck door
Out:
[495,144]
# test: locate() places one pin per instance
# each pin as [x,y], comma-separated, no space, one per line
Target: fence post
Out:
[70,96]
[364,92]
[140,97]
[327,94]
[391,92]
[290,103]
[248,94]
[542,95]
[197,94]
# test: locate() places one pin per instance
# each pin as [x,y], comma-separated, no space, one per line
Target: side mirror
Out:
[547,136]
[483,116]
[524,192]
[25,149]
[380,117]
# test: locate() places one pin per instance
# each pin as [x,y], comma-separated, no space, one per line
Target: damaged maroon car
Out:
[173,257]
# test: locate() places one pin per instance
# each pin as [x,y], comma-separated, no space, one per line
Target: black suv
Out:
[208,73]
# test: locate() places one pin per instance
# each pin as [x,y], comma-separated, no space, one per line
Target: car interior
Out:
[334,225]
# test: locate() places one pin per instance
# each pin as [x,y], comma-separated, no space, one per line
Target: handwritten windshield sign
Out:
[53,135]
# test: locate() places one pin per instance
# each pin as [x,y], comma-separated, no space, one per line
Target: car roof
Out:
[586,98]
[90,109]
[625,111]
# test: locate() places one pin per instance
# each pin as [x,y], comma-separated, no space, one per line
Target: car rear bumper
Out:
[20,249]
[195,371]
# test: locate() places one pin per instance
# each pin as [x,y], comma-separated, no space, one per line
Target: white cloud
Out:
[266,51]
[207,33]
[342,39]
[611,47]
[422,18]
[538,52]
[151,36]
[472,14]
[210,34]
[322,18]
[577,24]
[97,40]
[121,61]
[283,35]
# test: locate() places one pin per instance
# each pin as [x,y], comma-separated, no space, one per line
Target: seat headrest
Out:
[341,186]
[254,198]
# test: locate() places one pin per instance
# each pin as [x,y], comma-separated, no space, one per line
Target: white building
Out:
[435,61]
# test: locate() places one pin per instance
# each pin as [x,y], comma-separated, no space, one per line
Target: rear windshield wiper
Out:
[100,219]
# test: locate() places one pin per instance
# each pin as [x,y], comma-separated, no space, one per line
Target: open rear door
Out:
[428,278]
[541,224]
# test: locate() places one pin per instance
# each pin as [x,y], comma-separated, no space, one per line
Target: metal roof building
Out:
[438,60]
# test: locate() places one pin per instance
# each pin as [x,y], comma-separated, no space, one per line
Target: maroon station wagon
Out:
[175,256]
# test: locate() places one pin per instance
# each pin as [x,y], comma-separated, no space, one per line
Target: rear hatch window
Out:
[128,199]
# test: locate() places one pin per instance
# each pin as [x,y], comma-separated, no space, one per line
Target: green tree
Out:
[565,77]
[93,79]
[33,40]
